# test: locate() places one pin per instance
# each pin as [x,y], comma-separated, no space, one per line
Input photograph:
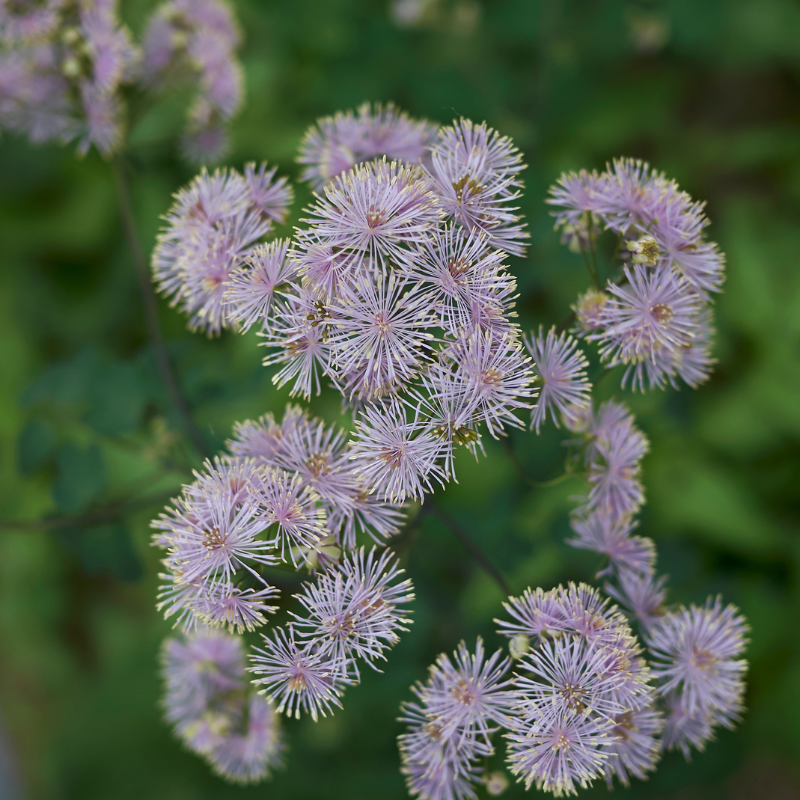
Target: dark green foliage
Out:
[85,420]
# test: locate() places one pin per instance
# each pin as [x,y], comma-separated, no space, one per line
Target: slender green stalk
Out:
[151,309]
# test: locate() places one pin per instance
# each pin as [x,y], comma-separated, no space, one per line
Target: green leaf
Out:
[104,549]
[117,396]
[36,445]
[81,477]
[64,383]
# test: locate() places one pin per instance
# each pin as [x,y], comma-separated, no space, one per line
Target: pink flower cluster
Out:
[579,681]
[655,317]
[695,652]
[62,70]
[213,710]
[194,42]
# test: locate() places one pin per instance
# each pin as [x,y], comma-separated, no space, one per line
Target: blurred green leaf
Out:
[104,549]
[36,444]
[64,383]
[81,477]
[117,395]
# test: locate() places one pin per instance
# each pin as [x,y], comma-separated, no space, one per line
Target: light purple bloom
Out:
[252,286]
[395,456]
[468,694]
[475,173]
[289,503]
[682,730]
[379,339]
[636,746]
[633,200]
[438,766]
[355,610]
[567,675]
[576,194]
[696,654]
[651,316]
[537,614]
[295,676]
[299,337]
[612,537]
[613,469]
[564,751]
[374,212]
[460,271]
[336,144]
[561,369]
[641,594]
[493,372]
[196,669]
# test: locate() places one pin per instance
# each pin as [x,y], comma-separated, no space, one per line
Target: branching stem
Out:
[469,545]
[151,309]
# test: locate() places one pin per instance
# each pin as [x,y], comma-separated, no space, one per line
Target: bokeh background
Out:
[707,90]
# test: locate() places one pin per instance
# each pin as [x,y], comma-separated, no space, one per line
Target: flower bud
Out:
[645,251]
[519,645]
[496,783]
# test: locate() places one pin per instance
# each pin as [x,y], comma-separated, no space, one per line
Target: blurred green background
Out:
[707,90]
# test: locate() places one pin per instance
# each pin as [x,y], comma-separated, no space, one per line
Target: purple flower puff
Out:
[336,144]
[561,369]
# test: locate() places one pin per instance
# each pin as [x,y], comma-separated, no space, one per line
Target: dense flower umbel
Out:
[61,75]
[214,712]
[395,291]
[209,245]
[583,679]
[697,663]
[194,42]
[352,612]
[579,706]
[658,316]
[463,702]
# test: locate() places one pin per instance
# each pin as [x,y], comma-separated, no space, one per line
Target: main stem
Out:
[470,545]
[151,309]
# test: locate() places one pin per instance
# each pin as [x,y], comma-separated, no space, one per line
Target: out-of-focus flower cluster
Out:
[656,316]
[193,43]
[64,63]
[336,144]
[214,710]
[577,706]
[62,67]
